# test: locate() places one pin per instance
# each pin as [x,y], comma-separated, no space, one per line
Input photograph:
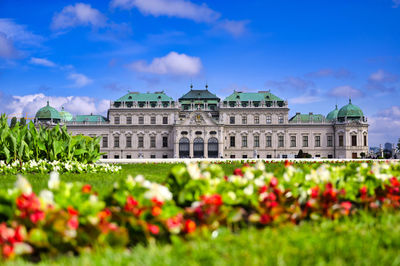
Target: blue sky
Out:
[315,54]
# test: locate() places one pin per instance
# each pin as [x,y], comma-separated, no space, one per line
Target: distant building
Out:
[199,124]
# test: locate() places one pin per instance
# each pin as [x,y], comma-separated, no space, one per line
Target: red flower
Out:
[72,211]
[73,222]
[314,192]
[154,229]
[287,163]
[8,250]
[190,226]
[104,214]
[18,236]
[262,189]
[363,190]
[346,205]
[394,182]
[215,199]
[156,210]
[265,218]
[238,171]
[273,182]
[37,216]
[157,202]
[86,188]
[174,221]
[130,203]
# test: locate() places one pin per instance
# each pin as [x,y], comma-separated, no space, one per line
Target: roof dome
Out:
[332,114]
[65,116]
[47,113]
[350,111]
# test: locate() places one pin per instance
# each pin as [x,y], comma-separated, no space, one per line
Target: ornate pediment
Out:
[199,118]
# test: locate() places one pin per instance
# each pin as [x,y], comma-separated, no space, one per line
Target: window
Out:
[152,142]
[280,119]
[129,120]
[354,140]
[244,156]
[292,141]
[165,120]
[232,156]
[232,120]
[280,141]
[165,142]
[244,120]
[116,120]
[129,141]
[365,140]
[244,141]
[165,156]
[317,141]
[330,141]
[268,119]
[269,156]
[105,142]
[257,120]
[341,141]
[140,142]
[269,141]
[256,141]
[153,156]
[153,120]
[116,156]
[128,156]
[233,141]
[105,156]
[305,141]
[141,120]
[330,156]
[116,141]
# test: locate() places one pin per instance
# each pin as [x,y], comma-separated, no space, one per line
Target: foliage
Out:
[25,143]
[13,122]
[22,122]
[198,198]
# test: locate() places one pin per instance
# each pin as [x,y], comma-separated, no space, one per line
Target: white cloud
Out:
[306,99]
[173,64]
[385,126]
[42,62]
[236,28]
[346,92]
[289,83]
[383,76]
[30,104]
[171,8]
[396,3]
[7,49]
[79,80]
[18,33]
[79,14]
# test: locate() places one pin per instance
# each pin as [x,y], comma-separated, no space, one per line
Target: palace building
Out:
[201,125]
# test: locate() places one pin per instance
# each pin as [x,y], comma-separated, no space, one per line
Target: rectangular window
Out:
[165,156]
[269,120]
[244,156]
[165,120]
[280,118]
[244,141]
[317,141]
[116,141]
[365,140]
[269,156]
[269,141]
[141,120]
[256,141]
[152,142]
[129,120]
[280,141]
[305,141]
[105,156]
[330,141]
[330,156]
[232,120]
[292,141]
[140,142]
[105,141]
[244,120]
[128,156]
[257,120]
[340,141]
[354,140]
[153,156]
[165,142]
[129,141]
[116,156]
[116,120]
[233,156]
[153,120]
[233,141]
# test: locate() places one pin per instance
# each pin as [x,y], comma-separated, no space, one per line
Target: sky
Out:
[314,54]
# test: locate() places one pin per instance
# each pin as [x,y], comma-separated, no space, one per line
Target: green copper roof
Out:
[332,114]
[145,97]
[47,112]
[351,111]
[252,96]
[307,118]
[65,116]
[199,95]
[90,118]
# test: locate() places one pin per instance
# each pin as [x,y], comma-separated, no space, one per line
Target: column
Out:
[205,149]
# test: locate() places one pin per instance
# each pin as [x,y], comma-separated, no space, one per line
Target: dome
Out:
[65,116]
[350,111]
[48,113]
[332,114]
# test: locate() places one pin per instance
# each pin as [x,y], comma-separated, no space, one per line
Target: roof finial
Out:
[336,106]
[349,100]
[62,108]
[48,103]
[206,85]
[191,85]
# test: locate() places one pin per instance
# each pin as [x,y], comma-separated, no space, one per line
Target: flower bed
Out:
[198,198]
[44,166]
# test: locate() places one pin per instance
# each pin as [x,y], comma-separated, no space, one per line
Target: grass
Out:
[364,240]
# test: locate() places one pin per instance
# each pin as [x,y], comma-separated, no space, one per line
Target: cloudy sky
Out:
[315,54]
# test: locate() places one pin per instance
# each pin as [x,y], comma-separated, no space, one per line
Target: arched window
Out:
[212,148]
[198,148]
[184,148]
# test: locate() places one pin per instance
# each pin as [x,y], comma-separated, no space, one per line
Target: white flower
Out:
[194,170]
[231,195]
[23,185]
[93,198]
[259,182]
[54,181]
[248,175]
[260,166]
[158,191]
[249,190]
[139,179]
[47,196]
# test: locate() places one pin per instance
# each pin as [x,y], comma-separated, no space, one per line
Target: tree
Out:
[13,122]
[22,121]
[300,154]
[398,145]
